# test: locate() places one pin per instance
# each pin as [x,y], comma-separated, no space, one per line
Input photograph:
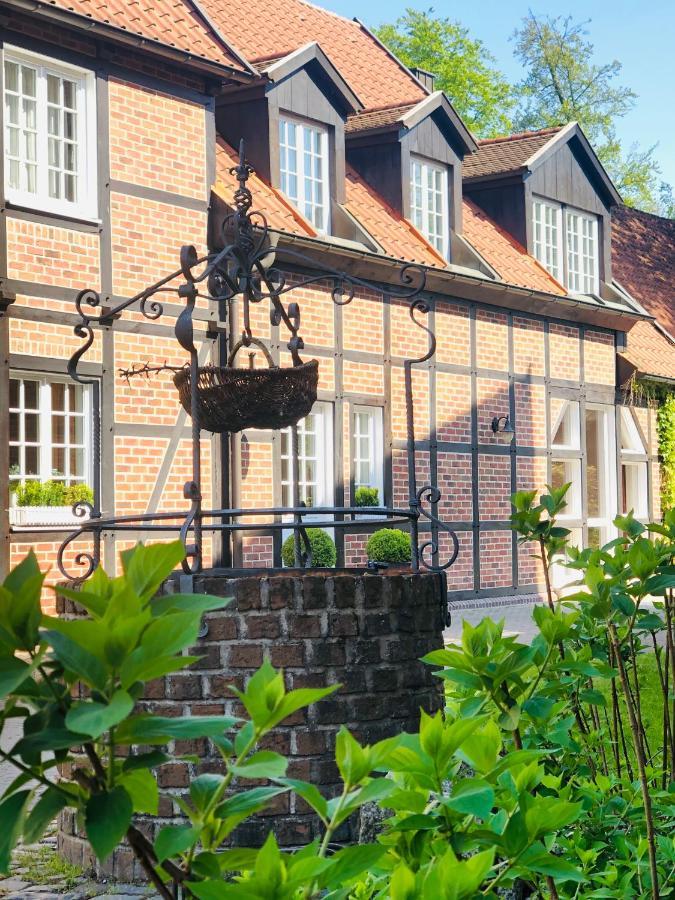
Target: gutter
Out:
[120,36]
[464,286]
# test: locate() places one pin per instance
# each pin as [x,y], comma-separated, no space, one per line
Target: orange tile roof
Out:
[377,118]
[397,237]
[174,23]
[264,29]
[280,214]
[650,351]
[506,154]
[643,261]
[506,256]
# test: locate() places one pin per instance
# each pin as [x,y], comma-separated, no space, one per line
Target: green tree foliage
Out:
[563,83]
[463,66]
[665,422]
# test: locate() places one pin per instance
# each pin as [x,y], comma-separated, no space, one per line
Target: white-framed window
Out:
[600,474]
[547,219]
[50,135]
[566,243]
[429,202]
[303,166]
[368,453]
[633,490]
[49,430]
[566,469]
[315,459]
[581,235]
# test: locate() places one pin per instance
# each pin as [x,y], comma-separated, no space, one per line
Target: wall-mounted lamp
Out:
[502,425]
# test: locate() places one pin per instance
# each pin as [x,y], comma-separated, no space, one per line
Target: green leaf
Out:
[93,603]
[593,697]
[149,729]
[310,794]
[43,814]
[77,660]
[94,719]
[147,567]
[145,760]
[196,603]
[175,839]
[472,796]
[204,788]
[352,861]
[539,707]
[48,739]
[106,819]
[248,801]
[352,760]
[510,718]
[13,673]
[12,811]
[141,785]
[537,859]
[263,764]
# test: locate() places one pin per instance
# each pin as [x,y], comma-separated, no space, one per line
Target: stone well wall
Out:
[365,632]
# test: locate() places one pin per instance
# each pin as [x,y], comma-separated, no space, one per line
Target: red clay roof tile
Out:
[506,154]
[280,214]
[377,118]
[650,351]
[266,29]
[174,23]
[506,256]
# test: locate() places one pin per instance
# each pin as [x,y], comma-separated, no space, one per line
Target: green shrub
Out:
[78,493]
[389,545]
[41,493]
[366,496]
[324,554]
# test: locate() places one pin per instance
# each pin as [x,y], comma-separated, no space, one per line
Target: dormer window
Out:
[429,202]
[303,164]
[566,244]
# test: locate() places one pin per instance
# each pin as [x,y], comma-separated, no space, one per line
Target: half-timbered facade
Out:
[118,136]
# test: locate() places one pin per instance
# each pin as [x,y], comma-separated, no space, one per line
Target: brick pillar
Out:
[365,632]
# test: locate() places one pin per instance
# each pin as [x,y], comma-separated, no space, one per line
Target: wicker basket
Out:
[231,399]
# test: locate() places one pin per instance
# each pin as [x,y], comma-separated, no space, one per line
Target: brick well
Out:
[365,632]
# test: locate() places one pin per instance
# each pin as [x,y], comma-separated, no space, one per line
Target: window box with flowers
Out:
[46,504]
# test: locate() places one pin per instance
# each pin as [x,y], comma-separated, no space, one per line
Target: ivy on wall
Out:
[665,423]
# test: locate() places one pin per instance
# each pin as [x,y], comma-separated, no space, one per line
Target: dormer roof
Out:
[407,116]
[312,57]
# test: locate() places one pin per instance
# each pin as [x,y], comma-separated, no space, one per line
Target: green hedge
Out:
[324,554]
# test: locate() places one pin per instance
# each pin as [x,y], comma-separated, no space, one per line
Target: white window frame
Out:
[419,213]
[575,281]
[375,458]
[634,463]
[579,280]
[323,455]
[543,248]
[569,454]
[305,204]
[86,207]
[607,487]
[45,441]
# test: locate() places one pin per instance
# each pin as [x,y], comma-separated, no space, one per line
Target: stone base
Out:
[365,632]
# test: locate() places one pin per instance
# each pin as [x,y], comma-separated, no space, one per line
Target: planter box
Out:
[43,516]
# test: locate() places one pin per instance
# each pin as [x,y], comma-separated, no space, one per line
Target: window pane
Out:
[58,429]
[32,427]
[14,427]
[32,461]
[76,430]
[568,471]
[77,463]
[30,396]
[58,396]
[58,461]
[11,76]
[594,452]
[28,81]
[14,385]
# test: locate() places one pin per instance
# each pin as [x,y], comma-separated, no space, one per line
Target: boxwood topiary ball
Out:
[324,554]
[389,545]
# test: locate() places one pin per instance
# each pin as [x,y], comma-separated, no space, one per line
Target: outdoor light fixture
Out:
[502,425]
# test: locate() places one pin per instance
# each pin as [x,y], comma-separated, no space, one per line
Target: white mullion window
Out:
[368,455]
[634,487]
[581,234]
[600,474]
[547,219]
[49,436]
[566,457]
[50,138]
[303,167]
[315,476]
[429,202]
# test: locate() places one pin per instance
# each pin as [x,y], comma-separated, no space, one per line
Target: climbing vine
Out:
[665,423]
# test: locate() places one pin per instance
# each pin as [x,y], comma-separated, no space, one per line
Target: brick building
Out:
[118,129]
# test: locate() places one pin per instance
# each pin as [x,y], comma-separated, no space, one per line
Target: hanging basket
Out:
[231,399]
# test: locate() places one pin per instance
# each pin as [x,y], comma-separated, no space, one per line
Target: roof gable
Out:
[312,58]
[520,154]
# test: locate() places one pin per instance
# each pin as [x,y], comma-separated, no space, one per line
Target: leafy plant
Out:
[41,493]
[324,554]
[366,496]
[78,493]
[389,545]
[665,421]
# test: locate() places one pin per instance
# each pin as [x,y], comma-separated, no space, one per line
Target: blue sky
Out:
[641,35]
